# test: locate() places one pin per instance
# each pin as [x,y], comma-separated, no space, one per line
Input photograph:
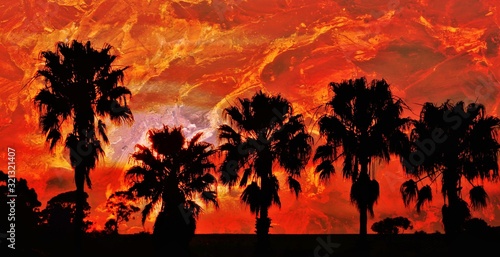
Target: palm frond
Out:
[108,80]
[200,183]
[101,128]
[146,157]
[87,179]
[72,143]
[49,121]
[142,181]
[409,191]
[324,152]
[45,99]
[334,130]
[274,189]
[246,175]
[229,172]
[195,141]
[235,116]
[325,170]
[294,154]
[193,208]
[424,195]
[227,133]
[252,197]
[350,166]
[53,137]
[290,127]
[148,208]
[294,186]
[118,92]
[373,195]
[478,197]
[399,144]
[120,114]
[210,197]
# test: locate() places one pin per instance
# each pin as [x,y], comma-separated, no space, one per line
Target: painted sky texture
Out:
[190,59]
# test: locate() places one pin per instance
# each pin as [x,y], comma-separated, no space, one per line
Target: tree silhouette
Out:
[111,227]
[170,175]
[456,143]
[81,90]
[391,226]
[477,226]
[120,205]
[60,214]
[263,131]
[24,212]
[364,125]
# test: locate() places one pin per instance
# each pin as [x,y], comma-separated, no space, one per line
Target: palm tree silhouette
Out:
[170,175]
[458,144]
[81,90]
[263,131]
[364,125]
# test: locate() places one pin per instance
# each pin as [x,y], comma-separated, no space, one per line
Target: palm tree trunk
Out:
[363,210]
[174,225]
[79,212]
[363,220]
[263,222]
[453,218]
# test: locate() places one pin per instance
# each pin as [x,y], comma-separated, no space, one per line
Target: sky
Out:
[190,59]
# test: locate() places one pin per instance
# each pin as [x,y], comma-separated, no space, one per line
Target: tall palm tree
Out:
[169,175]
[81,90]
[263,131]
[457,143]
[364,125]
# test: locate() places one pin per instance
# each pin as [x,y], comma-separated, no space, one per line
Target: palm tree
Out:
[263,131]
[170,175]
[364,125]
[81,90]
[459,144]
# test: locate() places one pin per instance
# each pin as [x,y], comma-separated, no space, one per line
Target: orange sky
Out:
[191,58]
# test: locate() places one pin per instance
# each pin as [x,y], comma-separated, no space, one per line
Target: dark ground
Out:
[235,245]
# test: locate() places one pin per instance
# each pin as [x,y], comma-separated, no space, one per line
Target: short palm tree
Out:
[81,90]
[263,131]
[170,175]
[364,125]
[456,143]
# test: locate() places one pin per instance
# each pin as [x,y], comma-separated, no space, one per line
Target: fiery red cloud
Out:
[190,59]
